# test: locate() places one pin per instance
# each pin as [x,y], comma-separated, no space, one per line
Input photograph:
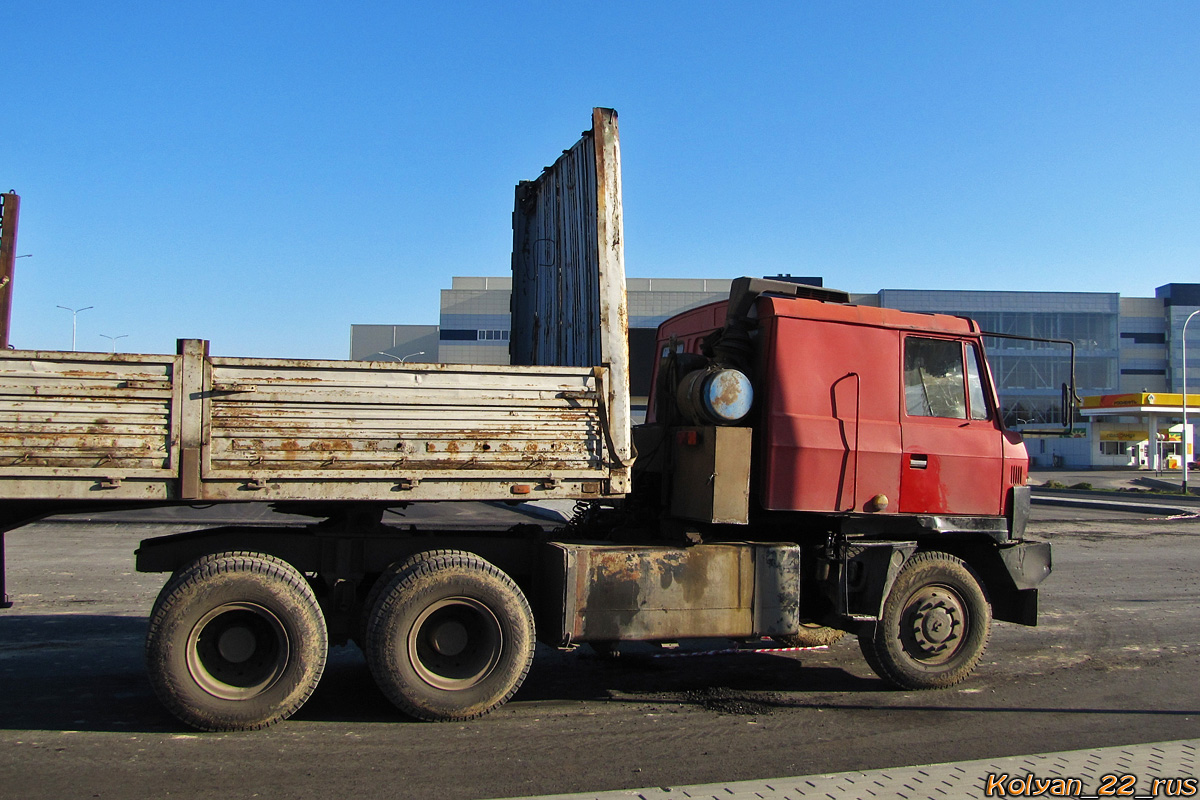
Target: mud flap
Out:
[1027,564]
[1018,511]
[866,573]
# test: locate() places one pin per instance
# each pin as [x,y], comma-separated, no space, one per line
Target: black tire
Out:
[934,626]
[811,635]
[384,581]
[236,642]
[196,563]
[451,638]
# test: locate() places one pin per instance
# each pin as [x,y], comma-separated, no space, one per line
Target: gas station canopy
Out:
[1147,407]
[1137,405]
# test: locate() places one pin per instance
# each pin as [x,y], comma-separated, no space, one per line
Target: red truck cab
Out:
[870,440]
[866,410]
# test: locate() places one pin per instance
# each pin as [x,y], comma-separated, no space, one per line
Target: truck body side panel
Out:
[88,425]
[97,426]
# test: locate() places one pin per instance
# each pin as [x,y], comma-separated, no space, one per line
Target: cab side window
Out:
[934,384]
[979,406]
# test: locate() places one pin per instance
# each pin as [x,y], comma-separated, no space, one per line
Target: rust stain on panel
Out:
[663,593]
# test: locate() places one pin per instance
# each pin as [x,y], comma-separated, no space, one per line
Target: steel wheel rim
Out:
[455,643]
[934,624]
[237,651]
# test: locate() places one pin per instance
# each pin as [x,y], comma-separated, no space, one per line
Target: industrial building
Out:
[1123,346]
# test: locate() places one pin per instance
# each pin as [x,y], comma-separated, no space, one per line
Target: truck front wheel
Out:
[934,625]
[450,638]
[236,642]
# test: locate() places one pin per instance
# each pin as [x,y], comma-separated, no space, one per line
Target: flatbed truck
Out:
[808,467]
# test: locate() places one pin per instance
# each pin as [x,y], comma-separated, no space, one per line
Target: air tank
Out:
[715,396]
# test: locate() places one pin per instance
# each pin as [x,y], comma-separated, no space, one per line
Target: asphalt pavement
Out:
[1109,670]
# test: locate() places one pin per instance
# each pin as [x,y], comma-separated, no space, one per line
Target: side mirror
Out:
[1068,405]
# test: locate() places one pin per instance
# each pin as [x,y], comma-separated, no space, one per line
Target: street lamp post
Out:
[113,339]
[1184,435]
[397,358]
[74,319]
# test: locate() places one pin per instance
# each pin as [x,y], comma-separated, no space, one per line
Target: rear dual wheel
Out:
[383,583]
[450,637]
[237,641]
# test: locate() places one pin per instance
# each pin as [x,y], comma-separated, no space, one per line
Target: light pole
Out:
[113,339]
[74,319]
[397,358]
[1184,435]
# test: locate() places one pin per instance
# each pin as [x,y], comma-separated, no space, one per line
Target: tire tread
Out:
[184,586]
[405,579]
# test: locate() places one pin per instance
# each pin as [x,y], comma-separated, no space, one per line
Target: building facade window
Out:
[1145,338]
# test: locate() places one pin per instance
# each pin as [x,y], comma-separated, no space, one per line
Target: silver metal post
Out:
[113,339]
[74,319]
[1184,434]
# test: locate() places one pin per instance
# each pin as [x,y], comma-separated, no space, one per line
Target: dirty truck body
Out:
[808,468]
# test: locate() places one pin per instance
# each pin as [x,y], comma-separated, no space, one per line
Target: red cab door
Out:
[952,460]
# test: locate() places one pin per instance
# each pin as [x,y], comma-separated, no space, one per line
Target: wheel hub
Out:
[455,643]
[236,644]
[450,638]
[936,623]
[237,651]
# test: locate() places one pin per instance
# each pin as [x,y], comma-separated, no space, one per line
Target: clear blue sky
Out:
[265,174]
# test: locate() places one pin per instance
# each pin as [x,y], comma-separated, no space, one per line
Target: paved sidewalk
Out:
[1130,771]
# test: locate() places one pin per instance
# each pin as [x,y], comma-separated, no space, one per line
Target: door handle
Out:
[918,461]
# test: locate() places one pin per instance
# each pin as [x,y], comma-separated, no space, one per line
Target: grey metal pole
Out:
[74,318]
[1184,434]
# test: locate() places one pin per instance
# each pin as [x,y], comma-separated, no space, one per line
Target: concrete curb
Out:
[1082,499]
